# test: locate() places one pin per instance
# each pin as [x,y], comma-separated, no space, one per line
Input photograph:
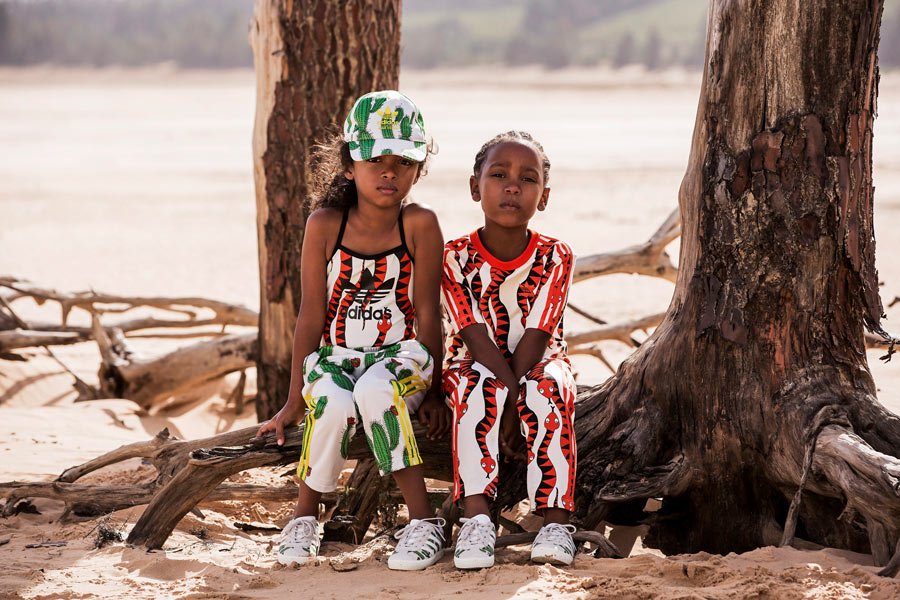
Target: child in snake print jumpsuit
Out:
[506,369]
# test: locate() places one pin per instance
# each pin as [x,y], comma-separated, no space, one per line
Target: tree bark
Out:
[760,361]
[313,58]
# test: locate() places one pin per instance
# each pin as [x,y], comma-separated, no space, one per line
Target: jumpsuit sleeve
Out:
[456,292]
[551,297]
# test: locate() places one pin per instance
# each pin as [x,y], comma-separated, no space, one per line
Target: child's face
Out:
[510,187]
[383,180]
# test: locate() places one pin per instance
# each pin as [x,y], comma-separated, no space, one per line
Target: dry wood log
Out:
[99,303]
[90,501]
[170,455]
[148,381]
[605,548]
[207,468]
[649,258]
[27,338]
[84,501]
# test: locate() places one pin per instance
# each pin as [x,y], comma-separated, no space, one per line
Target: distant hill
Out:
[657,33]
[213,33]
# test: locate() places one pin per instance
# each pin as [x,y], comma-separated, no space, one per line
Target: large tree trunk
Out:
[757,379]
[312,59]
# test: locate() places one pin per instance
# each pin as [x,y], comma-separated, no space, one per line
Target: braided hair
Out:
[512,136]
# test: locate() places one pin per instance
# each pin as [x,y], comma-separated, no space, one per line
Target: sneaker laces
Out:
[556,533]
[300,530]
[415,534]
[475,534]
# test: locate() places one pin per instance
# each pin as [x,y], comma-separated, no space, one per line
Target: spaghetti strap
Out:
[340,237]
[402,234]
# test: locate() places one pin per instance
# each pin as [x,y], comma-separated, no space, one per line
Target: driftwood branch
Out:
[148,381]
[100,303]
[649,258]
[89,501]
[207,468]
[122,373]
[868,480]
[621,332]
[605,548]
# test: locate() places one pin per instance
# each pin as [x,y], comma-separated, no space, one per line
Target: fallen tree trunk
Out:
[209,467]
[149,381]
[90,501]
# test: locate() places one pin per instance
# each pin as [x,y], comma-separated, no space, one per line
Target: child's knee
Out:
[371,394]
[546,385]
[332,408]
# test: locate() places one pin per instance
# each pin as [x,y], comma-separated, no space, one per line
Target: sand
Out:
[140,182]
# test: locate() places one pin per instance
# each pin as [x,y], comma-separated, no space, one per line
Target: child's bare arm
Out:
[529,351]
[310,319]
[426,245]
[484,350]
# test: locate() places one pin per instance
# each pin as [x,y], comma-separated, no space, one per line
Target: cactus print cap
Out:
[385,122]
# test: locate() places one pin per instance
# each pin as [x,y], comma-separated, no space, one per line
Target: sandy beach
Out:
[140,182]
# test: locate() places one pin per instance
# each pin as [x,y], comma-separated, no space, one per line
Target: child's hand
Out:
[511,434]
[435,415]
[287,416]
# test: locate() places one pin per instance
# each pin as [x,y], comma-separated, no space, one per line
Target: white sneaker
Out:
[554,545]
[421,545]
[475,544]
[299,541]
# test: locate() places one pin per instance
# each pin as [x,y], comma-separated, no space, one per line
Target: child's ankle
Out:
[556,515]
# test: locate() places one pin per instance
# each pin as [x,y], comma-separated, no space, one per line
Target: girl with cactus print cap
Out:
[368,335]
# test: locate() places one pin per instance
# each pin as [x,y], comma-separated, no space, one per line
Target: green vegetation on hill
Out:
[555,33]
[213,33]
[191,33]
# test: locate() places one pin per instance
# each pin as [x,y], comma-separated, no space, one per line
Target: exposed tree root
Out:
[893,566]
[868,480]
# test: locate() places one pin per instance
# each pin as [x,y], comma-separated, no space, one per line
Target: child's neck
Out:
[376,219]
[503,242]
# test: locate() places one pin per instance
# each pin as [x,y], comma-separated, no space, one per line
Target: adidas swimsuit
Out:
[369,368]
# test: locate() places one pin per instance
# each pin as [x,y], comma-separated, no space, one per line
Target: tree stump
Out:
[757,379]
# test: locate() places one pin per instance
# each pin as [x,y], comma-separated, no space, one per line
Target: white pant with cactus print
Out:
[377,386]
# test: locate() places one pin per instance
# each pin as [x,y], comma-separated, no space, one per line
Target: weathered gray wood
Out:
[207,468]
[89,501]
[605,548]
[649,258]
[149,381]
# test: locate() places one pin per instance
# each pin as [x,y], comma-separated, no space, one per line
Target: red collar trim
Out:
[506,264]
